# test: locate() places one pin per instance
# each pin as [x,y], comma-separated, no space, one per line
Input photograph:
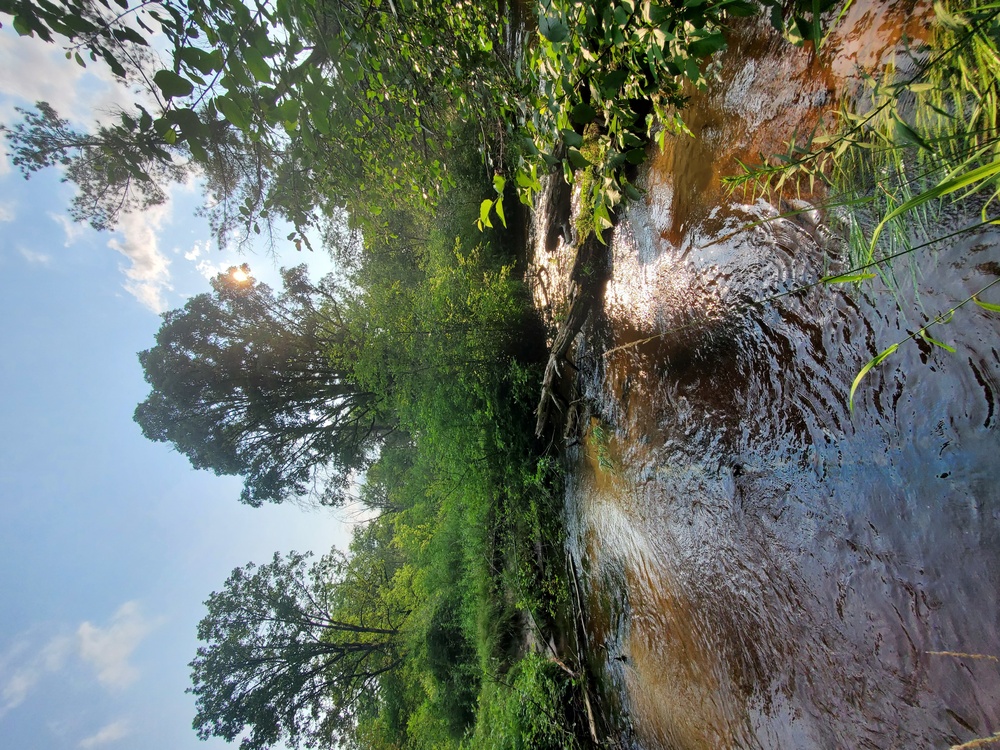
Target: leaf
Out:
[578,160]
[484,212]
[613,81]
[923,334]
[739,8]
[232,112]
[904,135]
[583,114]
[499,209]
[553,29]
[944,188]
[874,362]
[171,84]
[571,138]
[21,27]
[257,65]
[846,278]
[635,155]
[198,59]
[707,46]
[986,305]
[653,13]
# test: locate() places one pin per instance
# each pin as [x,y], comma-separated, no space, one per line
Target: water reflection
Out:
[764,568]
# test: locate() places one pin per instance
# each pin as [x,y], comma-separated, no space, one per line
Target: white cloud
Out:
[42,73]
[197,250]
[210,270]
[24,665]
[108,649]
[7,212]
[113,732]
[72,229]
[149,274]
[34,257]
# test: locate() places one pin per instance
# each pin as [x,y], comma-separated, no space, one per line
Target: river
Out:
[763,568]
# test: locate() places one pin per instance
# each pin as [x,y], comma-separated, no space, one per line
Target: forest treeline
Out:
[406,381]
[401,132]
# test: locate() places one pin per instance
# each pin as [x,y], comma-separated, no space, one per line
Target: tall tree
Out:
[294,651]
[252,384]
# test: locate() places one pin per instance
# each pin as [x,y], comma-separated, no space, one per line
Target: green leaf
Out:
[613,81]
[583,114]
[986,305]
[739,8]
[499,209]
[707,46]
[257,65]
[198,59]
[846,278]
[116,67]
[874,362]
[654,13]
[499,183]
[484,212]
[171,84]
[632,191]
[289,110]
[904,135]
[232,112]
[21,27]
[923,334]
[553,29]
[578,160]
[635,155]
[187,120]
[571,138]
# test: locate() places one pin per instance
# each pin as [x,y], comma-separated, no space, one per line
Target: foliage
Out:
[296,109]
[619,66]
[293,651]
[526,709]
[288,107]
[242,384]
[106,187]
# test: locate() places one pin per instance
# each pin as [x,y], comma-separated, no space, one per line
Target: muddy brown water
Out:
[763,568]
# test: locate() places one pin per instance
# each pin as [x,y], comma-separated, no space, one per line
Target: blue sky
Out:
[109,544]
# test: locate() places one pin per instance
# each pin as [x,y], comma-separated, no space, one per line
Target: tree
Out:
[294,652]
[288,107]
[246,383]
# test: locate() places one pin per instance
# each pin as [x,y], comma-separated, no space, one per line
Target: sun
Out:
[239,275]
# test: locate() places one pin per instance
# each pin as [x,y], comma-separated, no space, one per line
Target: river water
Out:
[763,568]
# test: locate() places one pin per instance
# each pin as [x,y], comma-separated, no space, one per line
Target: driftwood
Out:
[586,280]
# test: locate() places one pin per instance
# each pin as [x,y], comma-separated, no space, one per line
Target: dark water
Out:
[764,568]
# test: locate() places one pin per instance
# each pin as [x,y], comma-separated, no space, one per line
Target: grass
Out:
[920,148]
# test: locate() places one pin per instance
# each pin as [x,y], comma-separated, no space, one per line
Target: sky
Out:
[109,544]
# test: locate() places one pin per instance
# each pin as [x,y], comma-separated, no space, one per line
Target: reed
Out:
[919,146]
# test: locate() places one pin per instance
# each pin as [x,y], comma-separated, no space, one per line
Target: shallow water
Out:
[763,568]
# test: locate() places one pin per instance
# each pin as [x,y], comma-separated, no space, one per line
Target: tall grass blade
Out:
[939,191]
[872,363]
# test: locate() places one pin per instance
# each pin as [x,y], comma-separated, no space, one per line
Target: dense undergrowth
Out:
[465,499]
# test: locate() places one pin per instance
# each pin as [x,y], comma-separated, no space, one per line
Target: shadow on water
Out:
[765,569]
